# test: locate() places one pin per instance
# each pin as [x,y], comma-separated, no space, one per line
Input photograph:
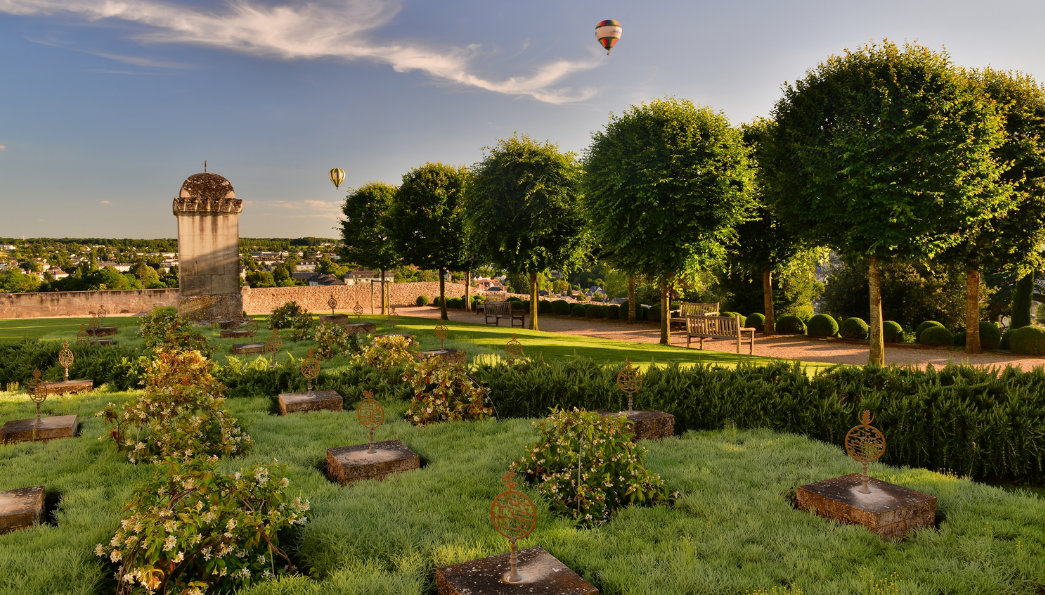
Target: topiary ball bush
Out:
[422,300]
[1005,339]
[595,311]
[990,335]
[892,331]
[790,325]
[578,311]
[561,308]
[757,321]
[853,328]
[456,302]
[921,327]
[544,307]
[937,336]
[822,325]
[653,314]
[743,319]
[1028,340]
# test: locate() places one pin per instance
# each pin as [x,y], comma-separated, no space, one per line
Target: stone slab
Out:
[361,328]
[453,354]
[346,464]
[890,511]
[234,334]
[541,573]
[248,348]
[49,428]
[229,324]
[313,401]
[21,508]
[66,387]
[102,331]
[648,425]
[103,342]
[334,318]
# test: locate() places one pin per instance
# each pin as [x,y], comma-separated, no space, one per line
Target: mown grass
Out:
[733,530]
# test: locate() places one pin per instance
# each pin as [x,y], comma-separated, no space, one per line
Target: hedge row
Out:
[112,365]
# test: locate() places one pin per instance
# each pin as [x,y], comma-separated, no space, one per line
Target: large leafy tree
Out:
[665,184]
[427,220]
[886,153]
[365,233]
[524,210]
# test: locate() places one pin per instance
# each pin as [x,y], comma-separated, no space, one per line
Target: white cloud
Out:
[305,209]
[3,147]
[310,30]
[105,202]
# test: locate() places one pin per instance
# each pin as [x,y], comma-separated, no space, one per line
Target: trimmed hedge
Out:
[613,312]
[822,325]
[743,319]
[937,336]
[892,332]
[756,320]
[578,310]
[990,335]
[544,307]
[921,327]
[790,325]
[113,365]
[561,308]
[854,328]
[1028,340]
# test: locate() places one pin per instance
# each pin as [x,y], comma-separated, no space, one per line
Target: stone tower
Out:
[208,248]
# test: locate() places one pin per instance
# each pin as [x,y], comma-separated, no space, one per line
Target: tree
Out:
[665,184]
[427,220]
[524,210]
[886,154]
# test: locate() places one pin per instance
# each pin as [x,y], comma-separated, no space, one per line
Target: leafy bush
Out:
[455,303]
[193,528]
[116,366]
[180,413]
[477,299]
[790,325]
[437,302]
[990,335]
[757,320]
[743,319]
[422,300]
[921,327]
[853,328]
[595,311]
[544,307]
[285,315]
[334,339]
[164,330]
[444,392]
[892,332]
[561,308]
[385,353]
[653,313]
[578,310]
[612,473]
[822,325]
[936,336]
[1028,340]
[613,312]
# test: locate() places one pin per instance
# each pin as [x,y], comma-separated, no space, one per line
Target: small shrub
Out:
[853,328]
[921,327]
[790,325]
[544,307]
[385,353]
[455,303]
[822,325]
[1028,340]
[444,392]
[892,332]
[332,339]
[936,335]
[578,310]
[613,312]
[437,302]
[612,471]
[477,299]
[284,316]
[580,297]
[990,335]
[743,319]
[595,311]
[653,313]
[193,528]
[422,300]
[642,312]
[164,330]
[757,321]
[561,308]
[303,327]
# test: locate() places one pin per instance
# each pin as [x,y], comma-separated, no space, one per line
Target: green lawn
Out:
[732,531]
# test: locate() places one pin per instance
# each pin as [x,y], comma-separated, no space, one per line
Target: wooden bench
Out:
[503,309]
[719,327]
[687,309]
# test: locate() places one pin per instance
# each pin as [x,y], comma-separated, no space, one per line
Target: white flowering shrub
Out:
[193,529]
[586,465]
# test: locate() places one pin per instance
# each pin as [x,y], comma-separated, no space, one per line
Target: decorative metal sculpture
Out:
[393,318]
[81,335]
[371,415]
[102,313]
[440,333]
[332,302]
[37,394]
[514,516]
[865,443]
[630,381]
[358,310]
[65,357]
[252,328]
[513,349]
[310,369]
[273,345]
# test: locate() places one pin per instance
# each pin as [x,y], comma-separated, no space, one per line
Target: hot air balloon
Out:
[337,175]
[608,32]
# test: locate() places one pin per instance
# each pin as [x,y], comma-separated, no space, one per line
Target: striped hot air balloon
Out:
[337,175]
[608,32]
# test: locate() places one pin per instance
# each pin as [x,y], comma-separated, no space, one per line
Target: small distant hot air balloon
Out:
[608,32]
[337,175]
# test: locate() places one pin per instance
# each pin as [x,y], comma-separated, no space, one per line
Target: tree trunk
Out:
[767,301]
[972,310]
[467,287]
[631,298]
[533,301]
[876,357]
[665,315]
[1022,297]
[442,294]
[383,298]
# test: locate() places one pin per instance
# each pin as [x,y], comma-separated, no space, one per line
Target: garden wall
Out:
[255,301]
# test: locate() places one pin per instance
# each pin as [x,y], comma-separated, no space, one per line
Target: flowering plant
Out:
[443,391]
[385,353]
[610,473]
[193,528]
[333,339]
[180,413]
[164,330]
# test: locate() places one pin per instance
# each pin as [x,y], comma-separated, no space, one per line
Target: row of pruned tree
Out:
[884,153]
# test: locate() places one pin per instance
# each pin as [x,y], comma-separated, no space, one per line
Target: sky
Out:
[106,106]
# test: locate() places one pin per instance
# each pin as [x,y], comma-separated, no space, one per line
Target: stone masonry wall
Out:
[314,299]
[82,303]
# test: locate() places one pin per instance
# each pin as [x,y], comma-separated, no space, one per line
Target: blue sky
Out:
[107,106]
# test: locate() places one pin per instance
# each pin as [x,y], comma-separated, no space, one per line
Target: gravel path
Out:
[785,347]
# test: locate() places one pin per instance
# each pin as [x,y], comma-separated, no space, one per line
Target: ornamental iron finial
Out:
[514,516]
[513,349]
[630,381]
[371,415]
[866,444]
[65,358]
[310,368]
[440,333]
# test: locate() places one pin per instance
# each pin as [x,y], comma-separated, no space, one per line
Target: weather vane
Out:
[630,381]
[865,443]
[310,369]
[514,516]
[371,415]
[513,349]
